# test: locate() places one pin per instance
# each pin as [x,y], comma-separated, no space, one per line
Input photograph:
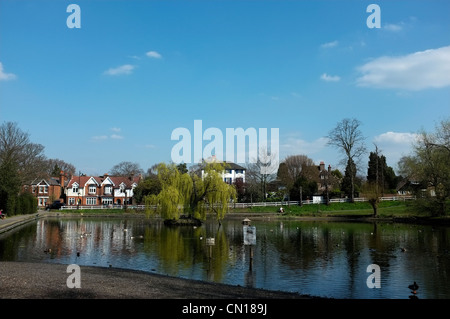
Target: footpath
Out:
[11,222]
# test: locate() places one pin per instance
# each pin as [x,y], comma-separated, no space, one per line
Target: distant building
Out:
[326,181]
[232,173]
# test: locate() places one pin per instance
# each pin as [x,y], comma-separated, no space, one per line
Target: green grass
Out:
[385,209]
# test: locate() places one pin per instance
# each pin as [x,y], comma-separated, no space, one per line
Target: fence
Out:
[259,204]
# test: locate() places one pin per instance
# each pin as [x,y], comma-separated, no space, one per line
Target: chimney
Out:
[329,168]
[62,178]
[322,166]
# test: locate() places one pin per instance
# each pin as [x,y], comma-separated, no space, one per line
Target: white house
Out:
[233,172]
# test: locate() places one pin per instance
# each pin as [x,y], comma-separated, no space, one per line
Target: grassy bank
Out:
[386,209]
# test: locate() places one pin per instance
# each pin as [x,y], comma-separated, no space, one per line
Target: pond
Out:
[319,258]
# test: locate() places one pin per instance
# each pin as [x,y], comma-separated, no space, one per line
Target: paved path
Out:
[10,222]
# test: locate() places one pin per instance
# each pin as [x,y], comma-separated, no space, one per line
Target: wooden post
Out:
[301,203]
[251,259]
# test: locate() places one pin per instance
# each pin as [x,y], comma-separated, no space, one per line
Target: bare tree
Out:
[126,169]
[17,150]
[262,171]
[348,138]
[55,165]
[295,166]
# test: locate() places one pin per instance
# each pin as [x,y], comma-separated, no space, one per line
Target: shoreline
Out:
[28,280]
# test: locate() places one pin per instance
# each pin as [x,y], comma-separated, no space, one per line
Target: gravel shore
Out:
[23,280]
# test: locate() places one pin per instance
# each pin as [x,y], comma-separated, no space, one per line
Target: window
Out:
[107,201]
[91,201]
[75,188]
[71,201]
[92,189]
[33,189]
[108,189]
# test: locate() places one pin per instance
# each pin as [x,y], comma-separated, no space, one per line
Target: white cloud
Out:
[329,44]
[123,69]
[415,71]
[393,27]
[294,145]
[154,54]
[100,138]
[396,137]
[6,76]
[330,78]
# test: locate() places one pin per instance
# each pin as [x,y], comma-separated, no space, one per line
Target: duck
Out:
[403,249]
[414,287]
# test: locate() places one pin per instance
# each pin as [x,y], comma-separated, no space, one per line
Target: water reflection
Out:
[318,258]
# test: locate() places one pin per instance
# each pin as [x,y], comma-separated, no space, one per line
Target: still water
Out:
[327,259]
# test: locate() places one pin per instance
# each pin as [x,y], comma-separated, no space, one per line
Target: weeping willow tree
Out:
[190,195]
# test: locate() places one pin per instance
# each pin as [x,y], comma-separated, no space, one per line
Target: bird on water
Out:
[414,287]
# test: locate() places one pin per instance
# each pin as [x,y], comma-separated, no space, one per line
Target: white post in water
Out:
[249,238]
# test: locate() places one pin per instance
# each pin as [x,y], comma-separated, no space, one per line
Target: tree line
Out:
[425,173]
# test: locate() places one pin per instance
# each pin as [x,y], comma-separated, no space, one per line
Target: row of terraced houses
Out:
[84,190]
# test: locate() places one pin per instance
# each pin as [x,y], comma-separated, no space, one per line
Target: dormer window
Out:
[75,188]
[43,189]
[108,189]
[92,189]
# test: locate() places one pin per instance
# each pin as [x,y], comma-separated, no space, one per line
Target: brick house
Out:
[101,190]
[47,190]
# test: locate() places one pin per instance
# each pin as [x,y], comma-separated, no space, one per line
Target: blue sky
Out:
[115,89]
